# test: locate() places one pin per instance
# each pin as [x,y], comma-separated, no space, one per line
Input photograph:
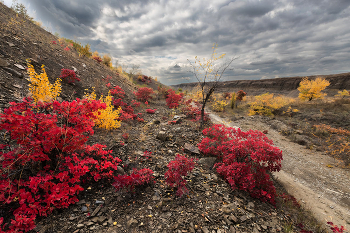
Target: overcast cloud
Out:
[271,38]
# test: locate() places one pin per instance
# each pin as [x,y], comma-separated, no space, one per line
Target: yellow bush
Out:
[219,105]
[40,87]
[266,103]
[343,93]
[107,60]
[83,51]
[106,118]
[311,89]
[196,93]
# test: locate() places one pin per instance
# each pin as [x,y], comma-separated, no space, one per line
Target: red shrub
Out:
[335,228]
[240,95]
[172,99]
[226,95]
[124,116]
[147,154]
[138,177]
[139,119]
[247,159]
[135,104]
[117,92]
[151,111]
[119,103]
[69,76]
[125,136]
[97,58]
[177,170]
[47,160]
[144,94]
[193,111]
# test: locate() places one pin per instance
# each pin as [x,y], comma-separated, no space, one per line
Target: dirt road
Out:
[324,190]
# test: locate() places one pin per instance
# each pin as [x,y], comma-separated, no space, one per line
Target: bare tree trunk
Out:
[211,90]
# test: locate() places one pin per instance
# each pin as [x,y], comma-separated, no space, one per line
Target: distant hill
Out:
[287,86]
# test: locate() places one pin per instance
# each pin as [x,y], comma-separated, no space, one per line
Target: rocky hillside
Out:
[286,86]
[22,39]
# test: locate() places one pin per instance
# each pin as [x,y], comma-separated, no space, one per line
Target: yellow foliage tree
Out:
[311,89]
[40,87]
[106,118]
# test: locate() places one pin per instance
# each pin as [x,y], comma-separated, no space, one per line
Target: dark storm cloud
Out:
[273,38]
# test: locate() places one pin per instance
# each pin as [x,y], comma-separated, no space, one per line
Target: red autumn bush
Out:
[135,104]
[144,94]
[172,99]
[45,159]
[69,76]
[117,92]
[240,95]
[177,170]
[247,159]
[193,111]
[151,111]
[97,58]
[136,178]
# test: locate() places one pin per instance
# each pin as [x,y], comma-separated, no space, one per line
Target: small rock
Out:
[243,218]
[99,202]
[233,218]
[232,229]
[101,219]
[89,224]
[188,148]
[75,69]
[84,209]
[251,205]
[3,63]
[132,222]
[19,66]
[162,135]
[11,44]
[83,65]
[94,219]
[81,202]
[72,218]
[79,226]
[205,230]
[96,211]
[110,220]
[207,162]
[156,122]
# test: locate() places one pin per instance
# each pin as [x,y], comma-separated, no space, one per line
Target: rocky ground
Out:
[210,206]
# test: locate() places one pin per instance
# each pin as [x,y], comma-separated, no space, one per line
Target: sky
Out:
[266,38]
